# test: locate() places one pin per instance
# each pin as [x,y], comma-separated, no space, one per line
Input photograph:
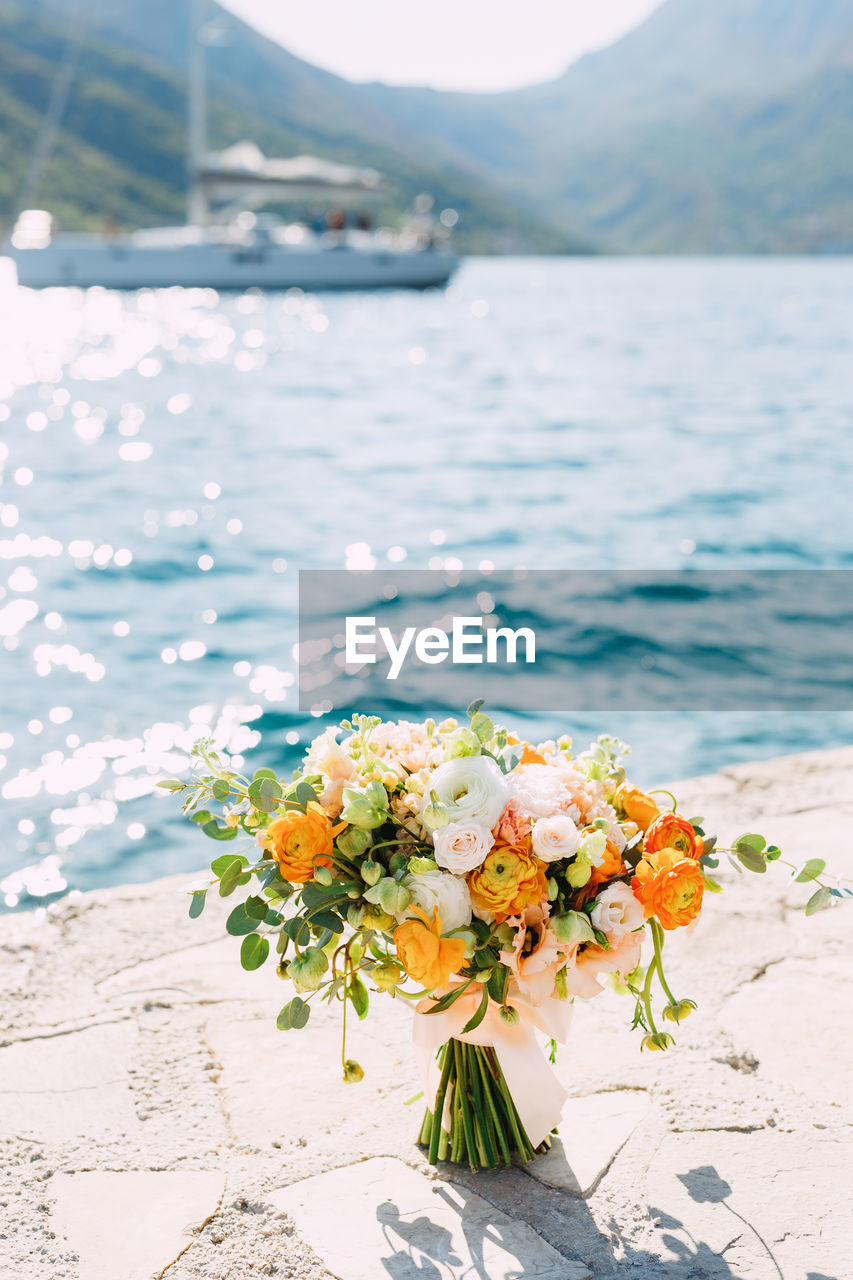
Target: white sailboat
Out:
[238,248]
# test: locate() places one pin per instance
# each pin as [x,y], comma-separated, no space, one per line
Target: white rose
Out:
[555,838]
[439,889]
[462,846]
[471,788]
[616,912]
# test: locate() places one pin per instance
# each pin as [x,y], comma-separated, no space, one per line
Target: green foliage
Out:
[294,1015]
[240,922]
[818,901]
[265,794]
[197,903]
[357,995]
[810,870]
[254,951]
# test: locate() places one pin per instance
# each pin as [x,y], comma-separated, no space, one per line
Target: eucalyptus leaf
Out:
[818,901]
[256,907]
[810,870]
[197,905]
[294,1015]
[357,994]
[254,951]
[305,794]
[265,794]
[328,920]
[239,922]
[217,832]
[753,861]
[219,865]
[474,707]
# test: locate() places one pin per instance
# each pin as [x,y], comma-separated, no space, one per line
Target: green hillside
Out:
[121,148]
[714,126]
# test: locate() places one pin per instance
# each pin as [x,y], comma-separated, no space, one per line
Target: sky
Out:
[448,44]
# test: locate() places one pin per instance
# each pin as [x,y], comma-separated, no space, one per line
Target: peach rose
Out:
[299,842]
[427,957]
[671,831]
[509,880]
[670,887]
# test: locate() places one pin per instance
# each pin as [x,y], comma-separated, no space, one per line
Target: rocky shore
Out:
[153,1121]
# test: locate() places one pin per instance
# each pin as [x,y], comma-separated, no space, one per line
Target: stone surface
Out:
[131,1226]
[388,1219]
[133,1047]
[593,1130]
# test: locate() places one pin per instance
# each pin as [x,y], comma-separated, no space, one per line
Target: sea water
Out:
[170,459]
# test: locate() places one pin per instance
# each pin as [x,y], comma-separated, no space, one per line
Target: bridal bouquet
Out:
[488,881]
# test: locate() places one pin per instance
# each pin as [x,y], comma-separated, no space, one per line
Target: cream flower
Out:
[439,889]
[540,791]
[462,846]
[616,912]
[555,838]
[470,788]
[327,757]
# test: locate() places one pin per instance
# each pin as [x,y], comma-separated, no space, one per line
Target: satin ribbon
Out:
[537,1093]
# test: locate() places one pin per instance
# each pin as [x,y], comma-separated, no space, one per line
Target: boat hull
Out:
[121,265]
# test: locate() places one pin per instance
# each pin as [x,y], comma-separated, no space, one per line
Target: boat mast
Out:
[197,210]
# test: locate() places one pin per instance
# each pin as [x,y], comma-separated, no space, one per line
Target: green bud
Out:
[323,876]
[572,927]
[505,935]
[352,1071]
[678,1012]
[462,742]
[366,807]
[387,975]
[578,872]
[307,971]
[435,816]
[393,897]
[483,976]
[355,915]
[371,871]
[553,889]
[509,1015]
[419,865]
[353,842]
[430,727]
[657,1043]
[561,986]
[375,918]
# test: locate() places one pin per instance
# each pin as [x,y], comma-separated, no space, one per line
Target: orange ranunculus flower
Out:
[636,805]
[611,867]
[509,880]
[530,755]
[424,954]
[670,887]
[671,831]
[299,842]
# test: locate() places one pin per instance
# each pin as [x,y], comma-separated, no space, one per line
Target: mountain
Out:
[121,147]
[714,126]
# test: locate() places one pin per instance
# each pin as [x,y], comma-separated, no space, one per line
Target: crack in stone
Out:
[196,1233]
[66,1031]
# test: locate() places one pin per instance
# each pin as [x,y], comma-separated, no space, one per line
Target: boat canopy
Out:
[243,170]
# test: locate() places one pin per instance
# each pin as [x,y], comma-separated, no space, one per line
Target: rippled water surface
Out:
[169,459]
